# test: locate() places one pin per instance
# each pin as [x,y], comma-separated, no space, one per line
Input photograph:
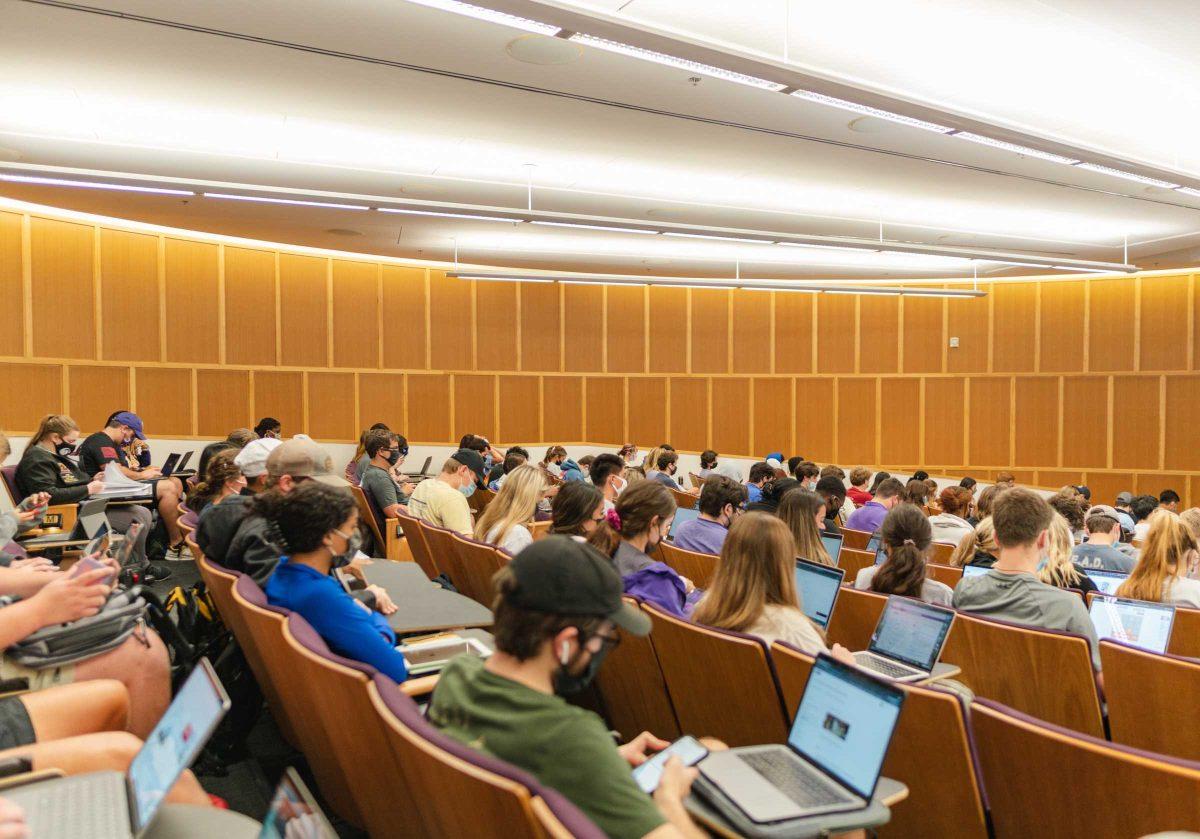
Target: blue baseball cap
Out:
[131,420]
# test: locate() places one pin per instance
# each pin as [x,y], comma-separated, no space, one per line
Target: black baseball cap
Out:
[471,458]
[559,575]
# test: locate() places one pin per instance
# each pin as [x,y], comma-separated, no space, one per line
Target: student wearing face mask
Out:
[319,523]
[383,449]
[442,501]
[558,609]
[269,428]
[721,501]
[606,476]
[668,465]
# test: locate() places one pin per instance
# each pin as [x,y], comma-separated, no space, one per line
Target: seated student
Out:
[760,473]
[1005,479]
[773,492]
[978,548]
[576,510]
[983,506]
[906,536]
[640,520]
[870,516]
[754,588]
[915,492]
[1167,557]
[803,513]
[1011,590]
[512,460]
[1168,500]
[807,473]
[241,437]
[668,465]
[1190,518]
[833,491]
[559,464]
[442,501]
[879,478]
[269,427]
[920,475]
[383,451]
[320,526]
[252,461]
[951,525]
[46,466]
[628,453]
[708,462]
[358,463]
[486,451]
[1067,504]
[607,477]
[1057,568]
[557,610]
[504,521]
[721,502]
[857,492]
[585,466]
[650,461]
[222,479]
[1103,530]
[969,483]
[932,502]
[1142,507]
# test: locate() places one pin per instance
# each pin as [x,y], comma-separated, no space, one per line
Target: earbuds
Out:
[564,655]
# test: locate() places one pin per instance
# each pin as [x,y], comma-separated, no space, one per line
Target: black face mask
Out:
[394,456]
[65,449]
[567,683]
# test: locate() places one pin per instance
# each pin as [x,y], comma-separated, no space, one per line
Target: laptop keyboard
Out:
[882,665]
[95,807]
[792,779]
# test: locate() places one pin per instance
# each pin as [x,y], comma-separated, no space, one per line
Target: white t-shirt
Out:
[517,539]
[939,594]
[1182,591]
[783,623]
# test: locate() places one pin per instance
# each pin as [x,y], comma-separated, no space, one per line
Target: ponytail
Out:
[59,424]
[906,535]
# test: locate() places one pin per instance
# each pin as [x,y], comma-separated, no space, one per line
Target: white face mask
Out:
[619,485]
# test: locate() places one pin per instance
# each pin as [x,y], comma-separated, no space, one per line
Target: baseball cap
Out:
[561,576]
[300,457]
[133,421]
[1102,510]
[1124,498]
[252,459]
[470,458]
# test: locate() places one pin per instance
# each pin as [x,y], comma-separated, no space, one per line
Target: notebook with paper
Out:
[1145,625]
[818,586]
[907,641]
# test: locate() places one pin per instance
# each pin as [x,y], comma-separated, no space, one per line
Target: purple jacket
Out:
[656,582]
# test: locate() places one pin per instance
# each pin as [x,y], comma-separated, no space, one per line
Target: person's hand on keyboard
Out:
[842,654]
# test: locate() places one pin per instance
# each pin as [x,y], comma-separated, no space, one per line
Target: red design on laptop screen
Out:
[187,732]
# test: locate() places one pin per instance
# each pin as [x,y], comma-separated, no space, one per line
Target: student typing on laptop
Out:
[906,534]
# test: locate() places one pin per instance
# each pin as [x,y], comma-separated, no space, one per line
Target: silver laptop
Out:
[1136,622]
[875,542]
[88,522]
[833,545]
[113,805]
[1107,581]
[424,473]
[294,813]
[682,515]
[974,571]
[817,586]
[833,756]
[907,641]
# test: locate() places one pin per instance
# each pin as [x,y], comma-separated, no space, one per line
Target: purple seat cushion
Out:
[308,638]
[248,589]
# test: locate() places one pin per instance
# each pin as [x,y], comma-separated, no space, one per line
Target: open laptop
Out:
[682,515]
[974,571]
[880,555]
[424,473]
[294,813]
[833,545]
[88,522]
[187,458]
[818,586]
[907,641]
[115,805]
[833,756]
[1107,581]
[171,464]
[875,542]
[1145,625]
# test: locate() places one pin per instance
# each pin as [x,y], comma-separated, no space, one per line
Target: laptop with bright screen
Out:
[818,587]
[912,632]
[294,813]
[845,723]
[875,542]
[974,571]
[682,515]
[880,555]
[1145,625]
[1107,581]
[833,545]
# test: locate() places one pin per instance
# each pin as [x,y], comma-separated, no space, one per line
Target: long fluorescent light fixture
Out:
[875,291]
[603,227]
[490,15]
[32,179]
[675,61]
[867,110]
[258,198]
[718,237]
[827,247]
[1013,147]
[471,216]
[494,279]
[1072,268]
[1187,190]
[1129,176]
[597,282]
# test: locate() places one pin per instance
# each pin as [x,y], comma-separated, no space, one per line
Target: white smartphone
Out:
[688,749]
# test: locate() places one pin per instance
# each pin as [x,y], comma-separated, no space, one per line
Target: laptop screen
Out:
[1107,581]
[845,723]
[169,465]
[880,555]
[817,586]
[911,631]
[175,741]
[294,813]
[974,571]
[875,542]
[1145,625]
[833,545]
[682,515]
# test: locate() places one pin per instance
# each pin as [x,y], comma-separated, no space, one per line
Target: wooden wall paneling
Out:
[331,407]
[583,331]
[1036,418]
[450,328]
[923,336]
[856,422]
[355,314]
[281,395]
[562,409]
[474,406]
[303,325]
[710,331]
[1105,486]
[429,409]
[64,310]
[879,334]
[1164,319]
[193,323]
[751,331]
[899,414]
[34,390]
[12,320]
[128,291]
[1111,310]
[1135,422]
[989,422]
[496,313]
[772,416]
[793,332]
[1058,478]
[381,398]
[666,333]
[1014,324]
[541,325]
[520,409]
[835,333]
[605,419]
[404,310]
[1063,308]
[647,411]
[96,393]
[1085,421]
[967,320]
[1028,477]
[815,418]
[1152,483]
[249,306]
[222,402]
[163,399]
[944,400]
[731,416]
[1183,432]
[689,415]
[625,322]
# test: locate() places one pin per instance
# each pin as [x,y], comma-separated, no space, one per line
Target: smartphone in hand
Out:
[688,749]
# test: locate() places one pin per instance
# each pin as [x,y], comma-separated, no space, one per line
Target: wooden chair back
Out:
[479,500]
[1145,693]
[930,751]
[444,553]
[539,529]
[633,690]
[856,539]
[683,500]
[854,617]
[1036,671]
[720,683]
[1032,769]
[68,512]
[368,516]
[947,574]
[697,567]
[415,537]
[854,560]
[188,520]
[1185,633]
[940,552]
[697,481]
[478,562]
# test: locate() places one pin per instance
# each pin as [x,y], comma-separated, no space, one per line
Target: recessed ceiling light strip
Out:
[33,179]
[605,228]
[717,236]
[1129,176]
[490,15]
[1013,147]
[262,199]
[867,110]
[674,61]
[439,214]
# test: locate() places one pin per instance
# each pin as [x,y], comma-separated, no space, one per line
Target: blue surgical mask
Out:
[467,489]
[1042,564]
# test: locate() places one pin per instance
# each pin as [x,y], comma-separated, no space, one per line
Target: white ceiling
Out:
[102,93]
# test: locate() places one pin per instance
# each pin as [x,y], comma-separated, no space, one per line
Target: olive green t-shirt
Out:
[564,747]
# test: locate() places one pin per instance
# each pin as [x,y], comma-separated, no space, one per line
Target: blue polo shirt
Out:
[349,629]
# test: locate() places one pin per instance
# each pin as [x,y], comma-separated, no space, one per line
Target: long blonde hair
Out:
[650,461]
[514,504]
[1163,559]
[982,539]
[1191,520]
[798,510]
[1059,570]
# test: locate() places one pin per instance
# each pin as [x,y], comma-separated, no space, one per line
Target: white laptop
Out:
[294,813]
[88,522]
[682,515]
[907,641]
[1136,622]
[115,805]
[833,545]
[833,756]
[1107,581]
[818,586]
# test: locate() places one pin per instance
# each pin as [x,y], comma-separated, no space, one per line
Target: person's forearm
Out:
[679,819]
[129,473]
[20,620]
[17,582]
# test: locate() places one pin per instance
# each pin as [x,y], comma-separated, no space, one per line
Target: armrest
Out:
[421,686]
[397,547]
[24,778]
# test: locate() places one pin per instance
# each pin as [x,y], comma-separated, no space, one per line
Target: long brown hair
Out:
[636,508]
[59,424]
[798,510]
[219,469]
[906,535]
[1164,558]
